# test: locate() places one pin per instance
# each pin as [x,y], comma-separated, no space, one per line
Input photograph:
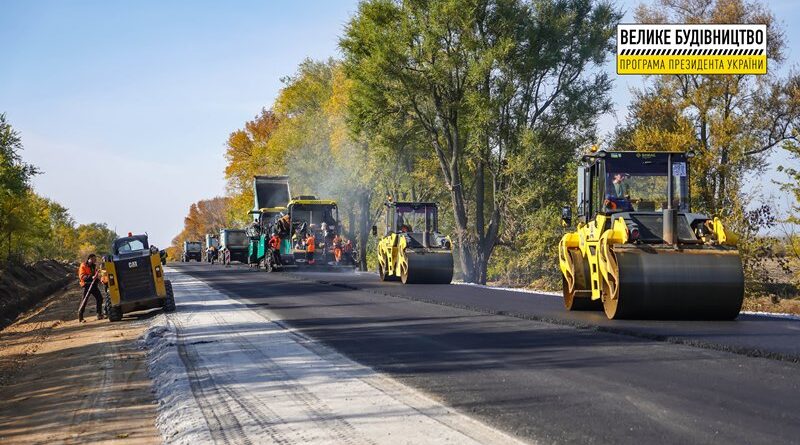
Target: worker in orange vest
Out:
[89,277]
[275,248]
[310,247]
[337,248]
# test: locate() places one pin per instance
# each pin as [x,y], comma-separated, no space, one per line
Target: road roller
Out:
[412,249]
[638,251]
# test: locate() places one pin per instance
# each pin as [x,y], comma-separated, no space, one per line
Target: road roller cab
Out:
[412,249]
[134,276]
[638,250]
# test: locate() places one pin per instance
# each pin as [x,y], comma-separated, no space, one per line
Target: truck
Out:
[233,245]
[192,250]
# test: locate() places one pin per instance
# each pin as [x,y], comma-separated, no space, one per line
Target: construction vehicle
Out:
[233,246]
[135,278]
[638,250]
[192,250]
[412,249]
[308,215]
[211,248]
[271,195]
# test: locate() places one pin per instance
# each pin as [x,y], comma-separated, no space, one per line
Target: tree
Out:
[207,216]
[14,183]
[479,78]
[94,238]
[731,122]
[248,155]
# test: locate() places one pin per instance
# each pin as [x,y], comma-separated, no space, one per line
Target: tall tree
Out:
[247,155]
[480,78]
[732,122]
[207,216]
[14,184]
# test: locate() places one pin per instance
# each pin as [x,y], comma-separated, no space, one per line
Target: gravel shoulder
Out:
[67,382]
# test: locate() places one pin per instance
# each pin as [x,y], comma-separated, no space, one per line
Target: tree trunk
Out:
[364,229]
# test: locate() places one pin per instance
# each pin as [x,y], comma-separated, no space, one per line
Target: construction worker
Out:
[89,277]
[337,248]
[275,247]
[310,247]
[211,254]
[348,250]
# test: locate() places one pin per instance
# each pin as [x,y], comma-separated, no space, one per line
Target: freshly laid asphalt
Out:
[521,363]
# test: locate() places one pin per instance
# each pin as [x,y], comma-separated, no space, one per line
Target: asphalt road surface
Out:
[519,362]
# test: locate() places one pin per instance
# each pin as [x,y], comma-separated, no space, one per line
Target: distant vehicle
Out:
[233,245]
[192,250]
[135,277]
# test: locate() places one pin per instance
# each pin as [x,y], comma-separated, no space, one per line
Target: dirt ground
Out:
[67,382]
[766,304]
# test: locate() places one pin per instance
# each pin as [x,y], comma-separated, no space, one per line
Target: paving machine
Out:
[233,245]
[412,249]
[309,215]
[271,195]
[192,250]
[638,250]
[135,278]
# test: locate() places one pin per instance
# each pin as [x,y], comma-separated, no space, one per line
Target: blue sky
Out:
[126,106]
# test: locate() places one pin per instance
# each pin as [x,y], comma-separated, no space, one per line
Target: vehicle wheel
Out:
[169,301]
[114,313]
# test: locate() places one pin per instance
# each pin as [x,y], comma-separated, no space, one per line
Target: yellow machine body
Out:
[628,259]
[134,278]
[422,256]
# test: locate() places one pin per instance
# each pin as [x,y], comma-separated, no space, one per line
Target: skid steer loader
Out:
[135,278]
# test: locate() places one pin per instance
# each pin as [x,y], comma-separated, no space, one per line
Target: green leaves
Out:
[471,80]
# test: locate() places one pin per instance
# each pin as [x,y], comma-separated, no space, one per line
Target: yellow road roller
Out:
[638,251]
[412,249]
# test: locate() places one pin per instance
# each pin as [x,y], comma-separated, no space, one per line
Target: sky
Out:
[126,106]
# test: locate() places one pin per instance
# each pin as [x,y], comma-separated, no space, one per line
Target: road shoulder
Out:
[67,382]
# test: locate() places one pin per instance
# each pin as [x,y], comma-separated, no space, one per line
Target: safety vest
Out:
[85,272]
[275,242]
[310,244]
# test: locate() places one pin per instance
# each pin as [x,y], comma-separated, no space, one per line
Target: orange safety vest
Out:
[275,243]
[310,243]
[85,273]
